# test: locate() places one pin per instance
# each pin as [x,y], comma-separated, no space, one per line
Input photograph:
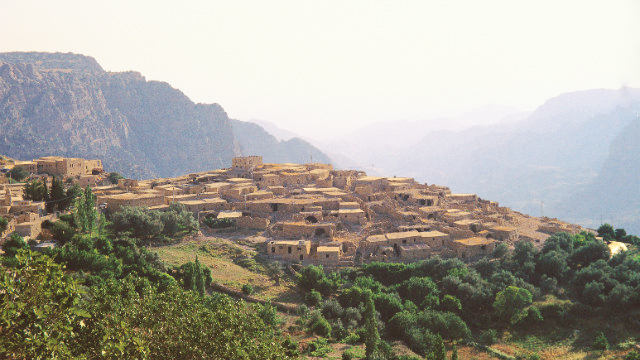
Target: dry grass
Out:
[218,255]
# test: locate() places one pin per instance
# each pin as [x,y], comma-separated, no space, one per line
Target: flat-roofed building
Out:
[290,250]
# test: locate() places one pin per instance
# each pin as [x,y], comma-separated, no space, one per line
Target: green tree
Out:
[39,309]
[193,276]
[14,244]
[440,352]
[18,173]
[454,352]
[85,213]
[511,302]
[75,191]
[4,223]
[601,342]
[274,271]
[57,195]
[114,177]
[371,334]
[35,190]
[172,324]
[606,232]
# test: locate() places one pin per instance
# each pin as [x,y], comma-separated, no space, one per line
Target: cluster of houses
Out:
[312,213]
[25,217]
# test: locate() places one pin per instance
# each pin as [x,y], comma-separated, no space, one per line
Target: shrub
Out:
[634,355]
[600,342]
[352,338]
[319,347]
[353,353]
[15,243]
[319,325]
[313,298]
[488,337]
[247,289]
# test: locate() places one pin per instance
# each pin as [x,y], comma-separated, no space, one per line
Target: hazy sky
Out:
[314,66]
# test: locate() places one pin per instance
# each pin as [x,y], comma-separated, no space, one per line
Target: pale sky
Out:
[314,67]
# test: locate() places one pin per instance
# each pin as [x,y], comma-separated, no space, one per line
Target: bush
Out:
[319,347]
[15,243]
[488,337]
[218,223]
[353,353]
[319,325]
[247,289]
[634,355]
[313,298]
[331,309]
[352,338]
[62,232]
[600,342]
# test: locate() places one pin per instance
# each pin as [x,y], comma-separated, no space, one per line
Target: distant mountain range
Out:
[575,157]
[66,104]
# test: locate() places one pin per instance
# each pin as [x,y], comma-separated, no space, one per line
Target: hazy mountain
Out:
[615,193]
[273,129]
[521,160]
[66,104]
[253,139]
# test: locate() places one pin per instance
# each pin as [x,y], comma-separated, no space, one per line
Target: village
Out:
[309,213]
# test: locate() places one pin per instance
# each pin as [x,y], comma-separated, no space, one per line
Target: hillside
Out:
[614,194]
[67,104]
[254,139]
[546,156]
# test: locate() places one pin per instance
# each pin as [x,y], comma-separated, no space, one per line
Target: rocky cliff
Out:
[66,104]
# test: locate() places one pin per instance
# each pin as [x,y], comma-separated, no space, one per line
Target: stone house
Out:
[289,250]
[473,247]
[246,163]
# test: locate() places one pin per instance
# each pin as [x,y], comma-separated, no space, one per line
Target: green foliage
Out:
[174,324]
[420,290]
[534,316]
[319,347]
[218,223]
[450,303]
[85,213]
[371,334]
[319,325]
[313,278]
[35,190]
[331,309]
[4,223]
[62,231]
[196,277]
[142,224]
[606,232]
[488,337]
[588,253]
[14,244]
[114,177]
[274,271]
[39,309]
[313,298]
[510,304]
[633,355]
[147,224]
[454,352]
[70,196]
[247,289]
[269,314]
[353,353]
[18,173]
[600,342]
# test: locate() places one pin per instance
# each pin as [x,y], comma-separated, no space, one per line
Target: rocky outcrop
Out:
[66,104]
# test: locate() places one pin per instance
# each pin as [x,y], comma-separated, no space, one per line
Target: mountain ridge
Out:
[66,104]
